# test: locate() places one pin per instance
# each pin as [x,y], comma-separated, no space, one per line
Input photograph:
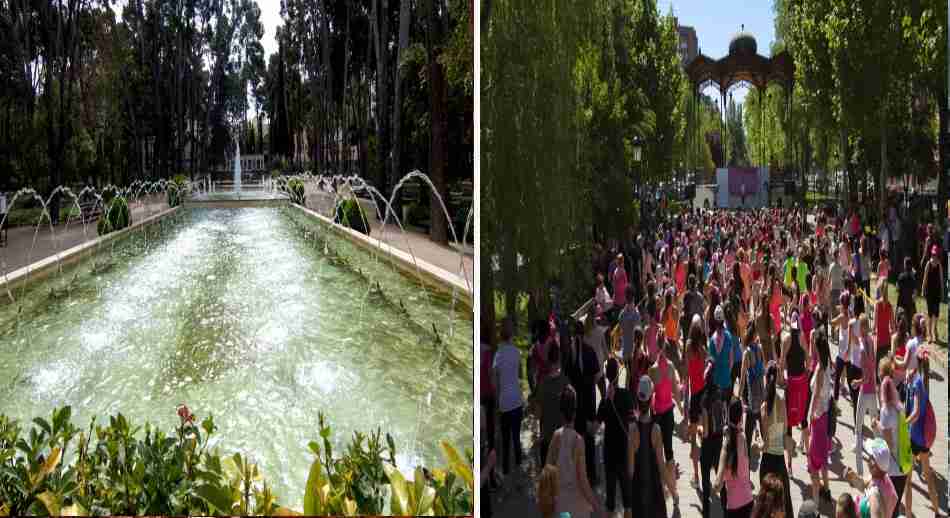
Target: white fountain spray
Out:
[237,165]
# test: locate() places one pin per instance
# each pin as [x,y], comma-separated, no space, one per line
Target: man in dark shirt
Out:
[615,412]
[584,375]
[549,395]
[906,284]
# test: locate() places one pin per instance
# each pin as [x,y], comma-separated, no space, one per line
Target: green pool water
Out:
[257,316]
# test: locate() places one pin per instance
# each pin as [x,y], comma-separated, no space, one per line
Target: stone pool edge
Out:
[41,269]
[432,275]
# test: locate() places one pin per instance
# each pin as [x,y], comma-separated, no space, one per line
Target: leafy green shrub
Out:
[115,216]
[349,213]
[295,189]
[176,190]
[121,468]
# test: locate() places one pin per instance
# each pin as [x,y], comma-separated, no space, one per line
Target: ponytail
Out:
[732,447]
[770,387]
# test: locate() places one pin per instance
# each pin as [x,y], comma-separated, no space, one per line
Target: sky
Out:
[716,21]
[270,18]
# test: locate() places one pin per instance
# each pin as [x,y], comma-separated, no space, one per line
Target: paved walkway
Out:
[20,249]
[518,496]
[413,241]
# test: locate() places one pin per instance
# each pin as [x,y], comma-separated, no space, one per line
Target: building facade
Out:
[688,45]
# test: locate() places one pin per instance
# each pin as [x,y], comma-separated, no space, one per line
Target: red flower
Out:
[185,415]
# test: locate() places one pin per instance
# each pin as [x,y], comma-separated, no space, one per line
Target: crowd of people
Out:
[753,328]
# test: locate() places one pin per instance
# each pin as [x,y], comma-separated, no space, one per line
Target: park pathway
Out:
[518,496]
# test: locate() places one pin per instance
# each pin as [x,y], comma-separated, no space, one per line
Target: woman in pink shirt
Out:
[867,400]
[734,467]
[619,281]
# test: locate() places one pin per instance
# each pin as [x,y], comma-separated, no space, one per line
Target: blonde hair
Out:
[547,490]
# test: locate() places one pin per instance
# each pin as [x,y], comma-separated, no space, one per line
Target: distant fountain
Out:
[237,166]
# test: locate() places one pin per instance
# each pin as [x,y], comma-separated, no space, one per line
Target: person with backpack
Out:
[574,494]
[921,420]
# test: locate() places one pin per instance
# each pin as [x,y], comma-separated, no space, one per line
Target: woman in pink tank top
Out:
[734,467]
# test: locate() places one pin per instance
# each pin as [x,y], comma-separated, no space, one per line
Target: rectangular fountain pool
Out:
[259,316]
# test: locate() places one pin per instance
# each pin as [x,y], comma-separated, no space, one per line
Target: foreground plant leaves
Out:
[121,468]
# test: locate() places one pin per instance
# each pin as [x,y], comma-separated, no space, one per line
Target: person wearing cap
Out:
[648,461]
[932,290]
[880,498]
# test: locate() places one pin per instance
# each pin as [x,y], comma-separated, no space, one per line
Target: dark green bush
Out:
[176,190]
[350,213]
[295,189]
[115,216]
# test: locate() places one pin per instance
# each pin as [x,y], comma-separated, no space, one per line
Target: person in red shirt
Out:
[883,320]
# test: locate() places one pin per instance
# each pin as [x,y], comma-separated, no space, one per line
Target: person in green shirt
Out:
[802,272]
[789,265]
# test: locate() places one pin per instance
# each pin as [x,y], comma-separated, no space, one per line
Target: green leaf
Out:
[43,424]
[349,507]
[459,467]
[314,447]
[51,501]
[312,501]
[74,510]
[399,503]
[216,496]
[424,507]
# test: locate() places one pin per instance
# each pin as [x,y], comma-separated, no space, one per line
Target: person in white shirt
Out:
[507,371]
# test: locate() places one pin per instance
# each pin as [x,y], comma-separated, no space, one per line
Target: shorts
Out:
[695,409]
[933,307]
[917,449]
[665,421]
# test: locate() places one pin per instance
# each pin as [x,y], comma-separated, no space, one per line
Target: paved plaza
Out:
[518,497]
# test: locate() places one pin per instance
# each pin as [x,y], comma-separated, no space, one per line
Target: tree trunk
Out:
[381,44]
[438,230]
[404,15]
[944,162]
